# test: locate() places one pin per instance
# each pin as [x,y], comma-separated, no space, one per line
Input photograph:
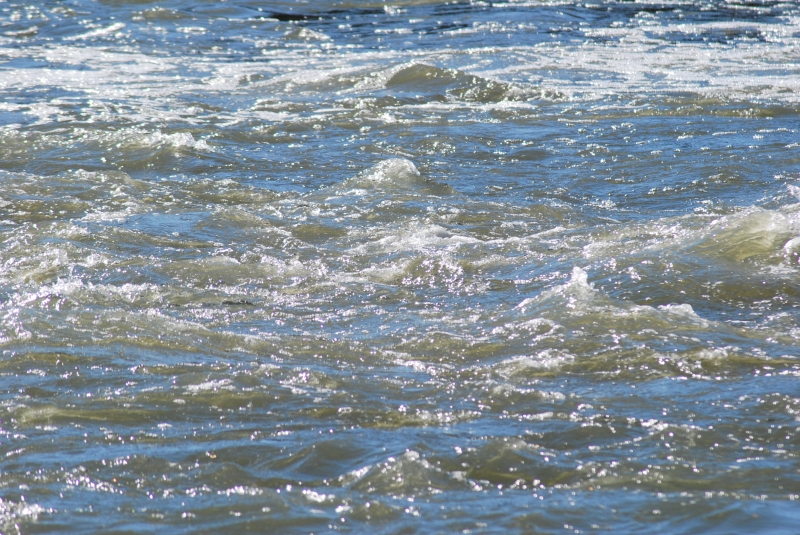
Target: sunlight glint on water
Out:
[404,267]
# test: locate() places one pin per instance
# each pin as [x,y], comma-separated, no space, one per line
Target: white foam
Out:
[683,311]
[177,140]
[97,32]
[794,190]
[576,289]
[14,513]
[210,386]
[307,34]
[386,274]
[415,237]
[394,171]
[80,290]
[759,69]
[792,248]
[544,360]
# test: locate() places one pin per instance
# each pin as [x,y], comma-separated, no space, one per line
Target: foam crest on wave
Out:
[452,84]
[135,138]
[576,291]
[394,172]
[14,513]
[415,237]
[752,234]
[576,300]
[405,475]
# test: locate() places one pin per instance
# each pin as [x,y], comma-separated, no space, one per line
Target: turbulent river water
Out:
[399,267]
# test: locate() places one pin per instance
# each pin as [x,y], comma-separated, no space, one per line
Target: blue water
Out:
[399,267]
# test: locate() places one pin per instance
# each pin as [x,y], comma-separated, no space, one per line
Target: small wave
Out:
[576,291]
[394,175]
[407,474]
[98,32]
[452,84]
[753,234]
[127,139]
[544,360]
[589,315]
[415,237]
[683,312]
[159,14]
[14,513]
[178,140]
[305,34]
[395,171]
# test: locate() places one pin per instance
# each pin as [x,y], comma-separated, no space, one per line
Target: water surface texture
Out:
[399,267]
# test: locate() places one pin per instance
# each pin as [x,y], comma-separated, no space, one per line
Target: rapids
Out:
[410,266]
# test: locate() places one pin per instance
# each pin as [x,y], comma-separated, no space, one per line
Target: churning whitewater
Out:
[409,266]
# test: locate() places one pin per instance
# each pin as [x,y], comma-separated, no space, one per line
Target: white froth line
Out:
[702,68]
[98,32]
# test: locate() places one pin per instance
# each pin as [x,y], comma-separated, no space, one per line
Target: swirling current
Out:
[410,266]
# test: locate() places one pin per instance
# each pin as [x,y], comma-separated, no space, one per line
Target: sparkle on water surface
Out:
[399,267]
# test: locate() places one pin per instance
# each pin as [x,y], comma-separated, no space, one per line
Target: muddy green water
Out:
[402,267]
